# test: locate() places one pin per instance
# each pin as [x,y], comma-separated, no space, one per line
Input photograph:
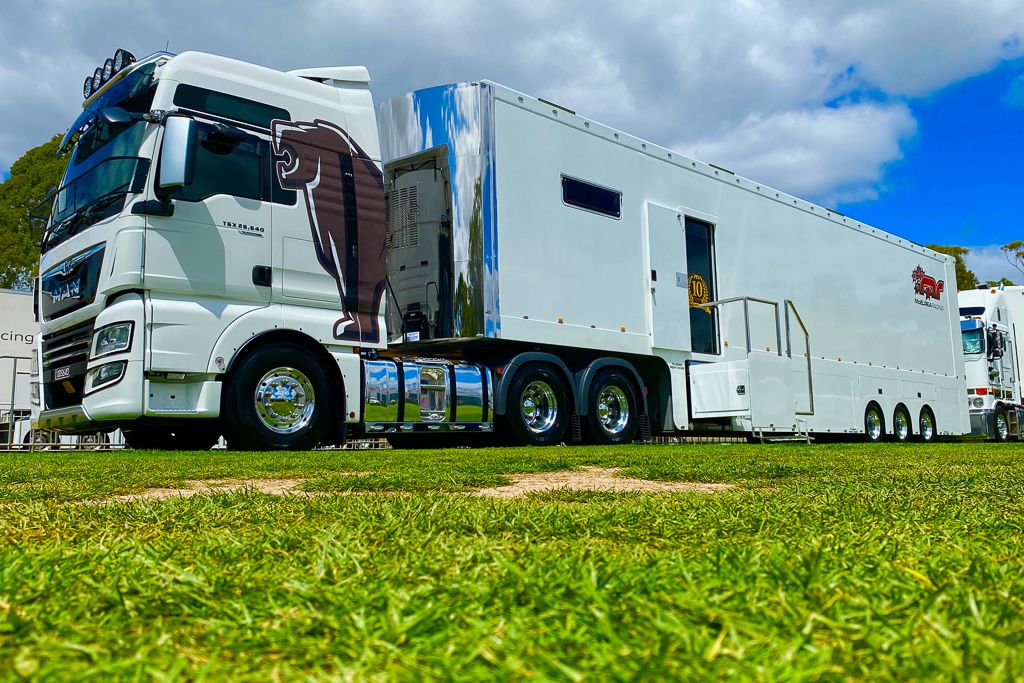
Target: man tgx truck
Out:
[988,317]
[230,253]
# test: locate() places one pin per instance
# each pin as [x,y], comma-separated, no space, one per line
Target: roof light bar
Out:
[103,74]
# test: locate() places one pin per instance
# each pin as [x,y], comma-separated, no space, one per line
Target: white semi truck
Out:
[232,253]
[988,322]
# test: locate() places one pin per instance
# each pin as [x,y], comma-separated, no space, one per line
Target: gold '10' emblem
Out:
[698,291]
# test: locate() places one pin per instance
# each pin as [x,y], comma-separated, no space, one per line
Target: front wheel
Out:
[613,408]
[278,398]
[1002,425]
[538,406]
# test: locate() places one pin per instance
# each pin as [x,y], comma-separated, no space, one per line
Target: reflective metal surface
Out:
[613,409]
[285,400]
[927,426]
[426,392]
[460,118]
[901,425]
[873,423]
[381,399]
[469,387]
[1002,427]
[539,406]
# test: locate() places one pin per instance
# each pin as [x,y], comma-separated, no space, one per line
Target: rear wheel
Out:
[278,398]
[926,425]
[874,423]
[1002,425]
[901,424]
[613,408]
[538,409]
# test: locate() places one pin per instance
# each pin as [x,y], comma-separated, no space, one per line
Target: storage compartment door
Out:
[772,401]
[719,390]
[670,317]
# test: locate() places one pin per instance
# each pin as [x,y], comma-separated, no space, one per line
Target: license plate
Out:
[62,373]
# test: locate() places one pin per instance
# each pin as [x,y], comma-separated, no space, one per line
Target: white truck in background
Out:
[988,323]
[231,253]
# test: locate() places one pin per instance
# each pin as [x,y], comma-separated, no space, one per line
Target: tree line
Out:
[36,175]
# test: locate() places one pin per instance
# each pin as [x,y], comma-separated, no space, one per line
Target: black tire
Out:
[874,423]
[927,428]
[538,406]
[1001,425]
[613,408]
[901,424]
[200,435]
[278,398]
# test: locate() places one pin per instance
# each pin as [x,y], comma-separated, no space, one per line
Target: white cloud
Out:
[721,75]
[989,263]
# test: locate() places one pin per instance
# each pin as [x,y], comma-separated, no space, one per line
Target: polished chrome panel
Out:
[426,392]
[469,387]
[381,399]
[458,118]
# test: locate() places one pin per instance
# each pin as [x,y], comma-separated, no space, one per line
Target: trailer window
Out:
[974,341]
[584,195]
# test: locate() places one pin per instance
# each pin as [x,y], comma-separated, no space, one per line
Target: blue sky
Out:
[902,113]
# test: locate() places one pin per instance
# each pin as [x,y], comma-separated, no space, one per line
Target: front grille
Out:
[65,356]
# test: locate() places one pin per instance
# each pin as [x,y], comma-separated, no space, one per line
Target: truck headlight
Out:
[977,402]
[104,375]
[111,339]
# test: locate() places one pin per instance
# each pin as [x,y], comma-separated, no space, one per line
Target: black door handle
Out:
[261,276]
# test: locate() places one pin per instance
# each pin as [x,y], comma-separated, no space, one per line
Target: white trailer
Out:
[229,253]
[18,333]
[989,320]
[729,304]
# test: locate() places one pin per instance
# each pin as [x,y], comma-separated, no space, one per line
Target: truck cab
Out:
[991,359]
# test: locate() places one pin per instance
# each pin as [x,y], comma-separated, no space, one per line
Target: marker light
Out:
[123,58]
[108,69]
[87,87]
[97,78]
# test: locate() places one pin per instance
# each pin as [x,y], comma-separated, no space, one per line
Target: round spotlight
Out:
[108,69]
[97,78]
[123,58]
[87,87]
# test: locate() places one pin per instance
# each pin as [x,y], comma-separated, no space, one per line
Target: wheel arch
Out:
[881,415]
[526,358]
[585,377]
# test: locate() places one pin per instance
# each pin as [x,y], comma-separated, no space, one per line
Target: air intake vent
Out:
[403,216]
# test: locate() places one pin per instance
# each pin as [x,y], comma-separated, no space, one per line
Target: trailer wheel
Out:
[901,424]
[874,423]
[926,425]
[538,406]
[277,398]
[200,435]
[1002,425]
[613,408]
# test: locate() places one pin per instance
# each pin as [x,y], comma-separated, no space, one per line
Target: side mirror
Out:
[177,154]
[116,116]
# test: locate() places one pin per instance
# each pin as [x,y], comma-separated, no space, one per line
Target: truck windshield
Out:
[974,341]
[104,165]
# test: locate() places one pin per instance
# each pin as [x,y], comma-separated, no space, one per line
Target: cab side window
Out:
[228,163]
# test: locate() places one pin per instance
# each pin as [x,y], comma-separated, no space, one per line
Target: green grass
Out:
[826,562]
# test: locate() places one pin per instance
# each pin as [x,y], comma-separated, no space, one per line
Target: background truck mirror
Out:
[177,154]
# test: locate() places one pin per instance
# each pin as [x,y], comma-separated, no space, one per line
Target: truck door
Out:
[670,328]
[701,285]
[212,257]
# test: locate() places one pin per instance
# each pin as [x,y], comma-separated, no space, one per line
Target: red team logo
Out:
[926,285]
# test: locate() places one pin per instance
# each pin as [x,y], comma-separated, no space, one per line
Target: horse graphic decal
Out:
[344,194]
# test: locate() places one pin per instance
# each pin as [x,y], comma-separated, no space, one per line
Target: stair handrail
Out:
[788,306]
[746,316]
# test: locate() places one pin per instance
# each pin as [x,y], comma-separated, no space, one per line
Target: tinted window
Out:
[228,106]
[972,310]
[701,286]
[591,197]
[225,165]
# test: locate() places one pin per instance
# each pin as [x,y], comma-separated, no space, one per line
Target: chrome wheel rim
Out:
[927,427]
[874,425]
[285,400]
[613,409]
[539,406]
[1002,427]
[902,426]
